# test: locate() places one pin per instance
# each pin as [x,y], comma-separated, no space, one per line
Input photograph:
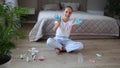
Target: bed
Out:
[96,26]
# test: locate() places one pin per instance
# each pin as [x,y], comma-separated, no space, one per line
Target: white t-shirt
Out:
[64,28]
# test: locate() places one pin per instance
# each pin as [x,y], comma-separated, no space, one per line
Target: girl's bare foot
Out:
[63,49]
[57,51]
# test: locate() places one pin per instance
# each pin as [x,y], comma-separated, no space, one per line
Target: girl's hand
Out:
[57,18]
[78,21]
[73,24]
[72,27]
[57,24]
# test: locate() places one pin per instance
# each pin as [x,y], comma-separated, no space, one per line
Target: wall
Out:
[92,6]
[83,3]
[37,4]
[28,3]
[1,1]
[96,6]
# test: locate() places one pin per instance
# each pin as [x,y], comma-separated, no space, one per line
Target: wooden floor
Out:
[97,53]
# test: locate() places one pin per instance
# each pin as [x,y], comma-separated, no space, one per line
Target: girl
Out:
[63,28]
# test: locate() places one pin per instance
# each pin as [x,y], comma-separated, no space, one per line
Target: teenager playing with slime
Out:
[63,28]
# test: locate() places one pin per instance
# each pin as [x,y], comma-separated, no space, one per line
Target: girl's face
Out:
[67,12]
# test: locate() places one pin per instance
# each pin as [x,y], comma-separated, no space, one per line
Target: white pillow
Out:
[51,7]
[75,6]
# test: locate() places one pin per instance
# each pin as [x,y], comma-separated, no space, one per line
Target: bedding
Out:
[92,25]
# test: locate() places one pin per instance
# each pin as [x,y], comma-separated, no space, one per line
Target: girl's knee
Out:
[49,41]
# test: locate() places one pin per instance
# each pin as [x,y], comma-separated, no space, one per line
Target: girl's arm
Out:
[72,27]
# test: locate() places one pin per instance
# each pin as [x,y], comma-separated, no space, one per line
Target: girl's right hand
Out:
[57,23]
[57,18]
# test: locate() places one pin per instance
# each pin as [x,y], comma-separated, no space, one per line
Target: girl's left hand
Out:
[78,21]
[74,24]
[72,27]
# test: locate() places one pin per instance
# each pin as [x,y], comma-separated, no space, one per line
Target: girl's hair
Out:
[68,7]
